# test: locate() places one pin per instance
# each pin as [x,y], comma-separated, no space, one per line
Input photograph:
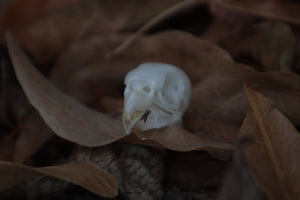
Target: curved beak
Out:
[130,119]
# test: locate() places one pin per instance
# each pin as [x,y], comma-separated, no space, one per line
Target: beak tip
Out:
[130,119]
[127,127]
[127,123]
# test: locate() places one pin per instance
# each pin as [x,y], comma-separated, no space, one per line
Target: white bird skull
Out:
[156,95]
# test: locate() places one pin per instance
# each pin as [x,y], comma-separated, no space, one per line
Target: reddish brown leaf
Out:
[85,174]
[272,158]
[65,116]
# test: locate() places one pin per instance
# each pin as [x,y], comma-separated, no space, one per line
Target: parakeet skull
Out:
[156,95]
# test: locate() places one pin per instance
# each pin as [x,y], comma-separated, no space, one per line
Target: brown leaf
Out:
[271,44]
[27,138]
[178,139]
[111,105]
[237,22]
[272,158]
[238,183]
[161,17]
[84,77]
[287,11]
[134,139]
[217,31]
[65,116]
[220,95]
[185,53]
[34,133]
[279,10]
[85,174]
[69,20]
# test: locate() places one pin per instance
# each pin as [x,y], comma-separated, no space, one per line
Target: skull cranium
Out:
[156,95]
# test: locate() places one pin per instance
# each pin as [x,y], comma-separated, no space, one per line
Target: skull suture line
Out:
[156,95]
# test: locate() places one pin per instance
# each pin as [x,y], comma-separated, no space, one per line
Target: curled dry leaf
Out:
[272,158]
[178,139]
[84,174]
[65,116]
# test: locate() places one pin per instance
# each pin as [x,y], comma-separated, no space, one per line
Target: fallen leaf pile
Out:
[63,65]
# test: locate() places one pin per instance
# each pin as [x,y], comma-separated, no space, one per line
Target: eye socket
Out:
[171,90]
[146,88]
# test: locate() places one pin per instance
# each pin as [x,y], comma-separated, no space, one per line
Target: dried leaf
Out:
[237,22]
[25,140]
[217,31]
[185,53]
[279,10]
[220,95]
[272,158]
[85,174]
[67,21]
[271,44]
[178,139]
[34,133]
[286,11]
[134,139]
[163,16]
[238,183]
[65,116]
